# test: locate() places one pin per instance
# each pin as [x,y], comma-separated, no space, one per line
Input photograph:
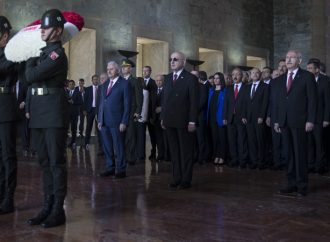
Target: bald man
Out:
[179,117]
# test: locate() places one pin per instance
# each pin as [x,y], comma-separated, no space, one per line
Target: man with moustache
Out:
[233,114]
[179,117]
[294,117]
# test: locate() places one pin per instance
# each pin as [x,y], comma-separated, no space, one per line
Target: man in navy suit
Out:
[90,103]
[113,120]
[295,114]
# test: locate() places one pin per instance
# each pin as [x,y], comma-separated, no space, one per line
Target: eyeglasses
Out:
[173,59]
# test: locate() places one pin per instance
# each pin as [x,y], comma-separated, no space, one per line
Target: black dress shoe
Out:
[120,175]
[107,173]
[183,186]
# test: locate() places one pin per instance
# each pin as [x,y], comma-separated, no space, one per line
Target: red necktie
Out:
[109,87]
[175,78]
[290,80]
[236,91]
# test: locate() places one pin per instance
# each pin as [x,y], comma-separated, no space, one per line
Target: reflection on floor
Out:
[224,204]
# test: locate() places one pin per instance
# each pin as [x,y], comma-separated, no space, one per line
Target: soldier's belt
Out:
[6,90]
[42,91]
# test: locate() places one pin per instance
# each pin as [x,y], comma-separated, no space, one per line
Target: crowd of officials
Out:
[254,119]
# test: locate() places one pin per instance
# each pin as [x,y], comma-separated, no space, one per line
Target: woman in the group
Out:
[215,120]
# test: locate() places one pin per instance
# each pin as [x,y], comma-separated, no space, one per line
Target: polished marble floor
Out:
[224,204]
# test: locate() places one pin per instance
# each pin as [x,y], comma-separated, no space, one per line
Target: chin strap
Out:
[50,34]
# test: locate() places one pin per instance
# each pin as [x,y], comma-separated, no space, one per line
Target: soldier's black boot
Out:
[45,211]
[7,205]
[57,216]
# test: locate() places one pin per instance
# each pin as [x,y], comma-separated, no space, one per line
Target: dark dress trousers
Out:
[8,118]
[76,103]
[256,107]
[49,117]
[233,112]
[152,88]
[136,107]
[316,138]
[179,107]
[91,112]
[23,123]
[293,109]
[277,146]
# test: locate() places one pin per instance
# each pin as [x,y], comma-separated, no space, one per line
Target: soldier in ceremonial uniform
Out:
[135,113]
[49,117]
[8,117]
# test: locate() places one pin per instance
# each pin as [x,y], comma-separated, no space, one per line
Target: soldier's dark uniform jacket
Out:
[48,104]
[8,77]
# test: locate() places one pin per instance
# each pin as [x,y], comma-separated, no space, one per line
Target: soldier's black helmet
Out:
[4,25]
[52,18]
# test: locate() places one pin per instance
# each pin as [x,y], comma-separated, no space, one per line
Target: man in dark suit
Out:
[81,89]
[278,162]
[90,102]
[136,108]
[113,120]
[179,116]
[294,117]
[103,79]
[254,116]
[201,141]
[152,88]
[21,92]
[232,115]
[159,132]
[75,99]
[8,117]
[316,145]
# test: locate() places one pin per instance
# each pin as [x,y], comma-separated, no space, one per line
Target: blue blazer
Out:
[220,103]
[114,108]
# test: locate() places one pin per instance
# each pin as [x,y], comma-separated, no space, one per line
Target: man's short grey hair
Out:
[298,53]
[115,64]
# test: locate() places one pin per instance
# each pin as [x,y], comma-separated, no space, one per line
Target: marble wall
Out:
[186,25]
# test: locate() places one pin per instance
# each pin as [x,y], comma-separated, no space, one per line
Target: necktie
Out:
[290,80]
[236,91]
[253,90]
[146,81]
[109,88]
[175,78]
[158,91]
[71,93]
